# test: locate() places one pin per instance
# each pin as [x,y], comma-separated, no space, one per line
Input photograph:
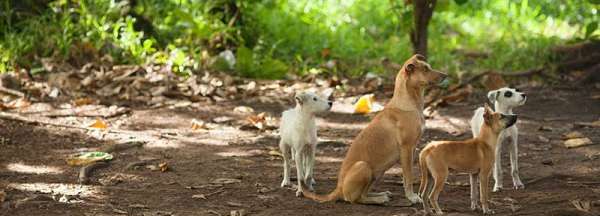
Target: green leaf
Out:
[245,61]
[590,28]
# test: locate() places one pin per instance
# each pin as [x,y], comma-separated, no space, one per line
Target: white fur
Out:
[299,137]
[504,105]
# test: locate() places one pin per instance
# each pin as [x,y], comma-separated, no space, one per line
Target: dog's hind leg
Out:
[286,153]
[497,169]
[439,173]
[357,183]
[474,194]
[514,162]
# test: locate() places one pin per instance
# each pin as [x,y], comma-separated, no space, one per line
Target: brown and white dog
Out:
[475,156]
[390,137]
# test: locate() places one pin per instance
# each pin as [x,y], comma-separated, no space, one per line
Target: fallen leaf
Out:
[226,181]
[572,135]
[582,205]
[83,101]
[243,109]
[234,204]
[99,124]
[163,166]
[18,103]
[366,104]
[199,196]
[257,121]
[198,125]
[543,139]
[222,119]
[275,153]
[577,142]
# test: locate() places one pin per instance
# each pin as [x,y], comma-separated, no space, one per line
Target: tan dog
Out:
[475,156]
[389,138]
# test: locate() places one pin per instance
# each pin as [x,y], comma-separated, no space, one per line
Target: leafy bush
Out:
[273,37]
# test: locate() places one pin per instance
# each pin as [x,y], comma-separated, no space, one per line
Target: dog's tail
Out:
[333,196]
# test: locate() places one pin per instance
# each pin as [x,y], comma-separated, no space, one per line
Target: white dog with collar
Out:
[504,100]
[299,137]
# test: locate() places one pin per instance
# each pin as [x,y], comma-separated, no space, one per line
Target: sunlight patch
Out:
[343,126]
[33,169]
[58,189]
[238,153]
[326,159]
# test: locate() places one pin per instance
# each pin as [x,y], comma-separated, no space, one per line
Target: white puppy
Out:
[299,137]
[504,100]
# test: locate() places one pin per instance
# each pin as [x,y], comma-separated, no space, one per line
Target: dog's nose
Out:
[330,103]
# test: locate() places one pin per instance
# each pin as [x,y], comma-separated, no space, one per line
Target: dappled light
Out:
[84,191]
[33,169]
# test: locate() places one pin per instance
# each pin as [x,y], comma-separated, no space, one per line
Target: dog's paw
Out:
[487,211]
[285,183]
[497,188]
[475,206]
[518,186]
[298,193]
[414,198]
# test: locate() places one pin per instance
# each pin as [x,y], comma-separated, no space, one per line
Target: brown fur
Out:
[390,137]
[475,156]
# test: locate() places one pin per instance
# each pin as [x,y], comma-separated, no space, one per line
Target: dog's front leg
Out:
[497,169]
[406,159]
[285,152]
[514,161]
[299,170]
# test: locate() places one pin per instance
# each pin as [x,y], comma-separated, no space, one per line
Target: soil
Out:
[229,169]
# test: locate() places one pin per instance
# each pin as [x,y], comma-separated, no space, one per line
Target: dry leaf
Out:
[199,196]
[83,101]
[543,139]
[573,135]
[257,121]
[18,103]
[243,109]
[582,205]
[275,153]
[163,166]
[198,125]
[226,181]
[577,142]
[99,124]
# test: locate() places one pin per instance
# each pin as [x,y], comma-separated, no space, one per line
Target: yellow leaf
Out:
[198,124]
[163,166]
[99,124]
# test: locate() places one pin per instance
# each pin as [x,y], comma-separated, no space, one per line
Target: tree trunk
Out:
[423,10]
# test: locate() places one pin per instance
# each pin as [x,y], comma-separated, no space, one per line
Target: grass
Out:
[273,37]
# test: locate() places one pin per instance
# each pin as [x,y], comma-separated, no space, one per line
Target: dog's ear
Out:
[410,68]
[420,57]
[299,98]
[487,113]
[493,96]
[327,93]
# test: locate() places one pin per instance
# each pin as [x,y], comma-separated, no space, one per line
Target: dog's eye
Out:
[315,99]
[507,94]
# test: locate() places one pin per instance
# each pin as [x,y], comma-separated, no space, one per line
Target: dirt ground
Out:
[225,169]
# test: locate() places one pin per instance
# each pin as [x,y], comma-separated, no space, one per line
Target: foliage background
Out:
[272,38]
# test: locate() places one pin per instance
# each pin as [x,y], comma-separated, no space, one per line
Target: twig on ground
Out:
[11,92]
